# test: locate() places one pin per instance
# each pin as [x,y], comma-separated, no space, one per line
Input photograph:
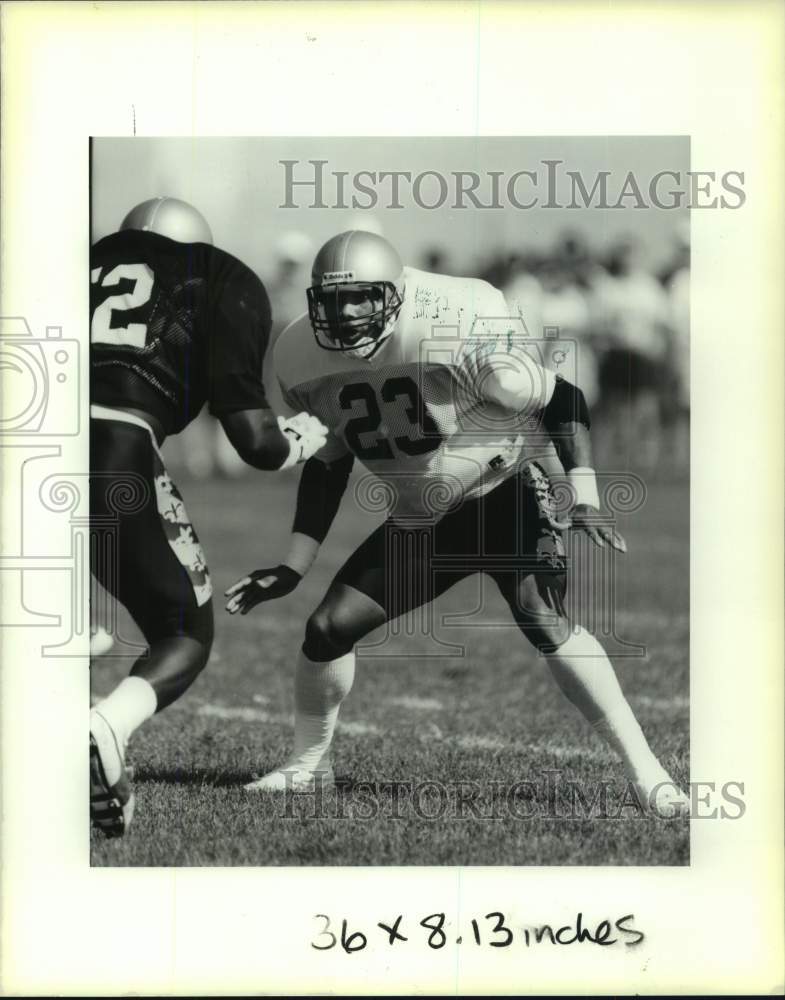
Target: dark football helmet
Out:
[357,293]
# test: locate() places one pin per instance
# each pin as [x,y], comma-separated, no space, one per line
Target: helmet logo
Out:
[330,276]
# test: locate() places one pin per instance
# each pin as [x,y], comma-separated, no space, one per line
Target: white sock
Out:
[319,689]
[131,703]
[586,676]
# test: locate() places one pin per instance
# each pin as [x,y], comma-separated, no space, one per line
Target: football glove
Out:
[261,585]
[588,519]
[306,436]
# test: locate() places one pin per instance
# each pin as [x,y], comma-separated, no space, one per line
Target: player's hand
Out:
[306,434]
[588,519]
[261,585]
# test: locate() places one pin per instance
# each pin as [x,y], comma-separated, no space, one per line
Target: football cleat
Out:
[111,796]
[293,778]
[663,798]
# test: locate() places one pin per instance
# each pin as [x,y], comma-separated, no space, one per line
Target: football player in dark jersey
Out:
[175,323]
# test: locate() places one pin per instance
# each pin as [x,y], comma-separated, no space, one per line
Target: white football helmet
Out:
[357,293]
[169,217]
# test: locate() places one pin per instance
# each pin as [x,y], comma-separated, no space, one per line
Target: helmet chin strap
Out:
[375,346]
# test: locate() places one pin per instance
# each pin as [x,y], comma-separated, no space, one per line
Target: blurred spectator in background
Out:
[631,328]
[436,260]
[564,305]
[523,291]
[631,333]
[548,294]
[286,281]
[577,257]
[676,279]
[495,270]
[291,275]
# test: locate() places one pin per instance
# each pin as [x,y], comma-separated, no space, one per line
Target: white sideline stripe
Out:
[494,743]
[243,714]
[651,618]
[662,704]
[433,734]
[259,715]
[358,728]
[412,701]
[562,753]
[479,742]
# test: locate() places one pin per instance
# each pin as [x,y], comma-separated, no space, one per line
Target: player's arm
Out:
[238,339]
[535,397]
[321,488]
[268,442]
[507,375]
[566,419]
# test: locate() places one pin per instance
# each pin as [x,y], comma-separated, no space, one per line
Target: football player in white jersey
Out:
[425,380]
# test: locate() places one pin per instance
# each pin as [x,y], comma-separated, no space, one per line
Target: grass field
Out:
[458,731]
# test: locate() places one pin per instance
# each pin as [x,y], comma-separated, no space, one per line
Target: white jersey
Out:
[438,414]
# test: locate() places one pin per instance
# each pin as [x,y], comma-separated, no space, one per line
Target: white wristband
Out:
[302,552]
[295,450]
[583,481]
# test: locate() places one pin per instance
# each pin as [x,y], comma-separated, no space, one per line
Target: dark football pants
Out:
[153,563]
[401,567]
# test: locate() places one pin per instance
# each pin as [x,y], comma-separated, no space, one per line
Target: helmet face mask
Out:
[356,295]
[355,318]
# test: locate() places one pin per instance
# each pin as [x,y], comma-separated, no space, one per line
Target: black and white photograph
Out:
[400,434]
[392,483]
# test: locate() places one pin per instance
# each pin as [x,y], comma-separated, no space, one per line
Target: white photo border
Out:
[710,70]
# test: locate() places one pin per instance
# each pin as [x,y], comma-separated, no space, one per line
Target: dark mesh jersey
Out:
[175,325]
